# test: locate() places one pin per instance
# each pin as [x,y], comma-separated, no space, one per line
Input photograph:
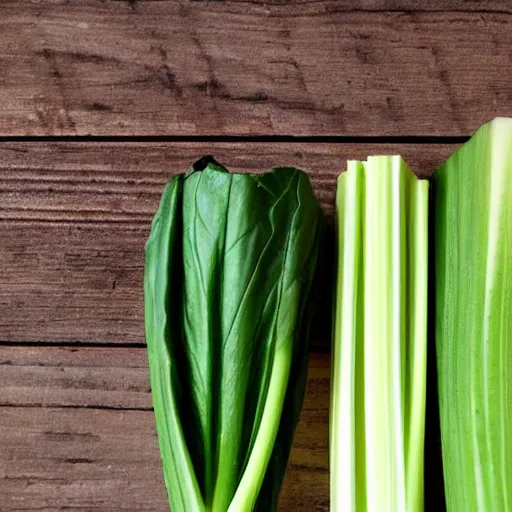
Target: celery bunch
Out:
[379,349]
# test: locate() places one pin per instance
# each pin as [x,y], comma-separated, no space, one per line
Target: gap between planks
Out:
[240,139]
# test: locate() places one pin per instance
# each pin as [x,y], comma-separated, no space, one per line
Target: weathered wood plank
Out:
[103,378]
[74,219]
[60,459]
[106,457]
[75,377]
[153,67]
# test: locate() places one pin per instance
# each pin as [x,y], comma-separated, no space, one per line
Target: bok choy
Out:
[379,350]
[230,263]
[473,266]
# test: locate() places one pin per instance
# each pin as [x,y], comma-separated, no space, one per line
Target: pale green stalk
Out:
[343,424]
[418,353]
[378,391]
[252,479]
[473,261]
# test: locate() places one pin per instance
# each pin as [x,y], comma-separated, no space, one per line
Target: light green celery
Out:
[473,262]
[345,428]
[379,350]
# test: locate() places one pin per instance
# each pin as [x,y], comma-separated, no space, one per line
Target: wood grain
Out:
[100,377]
[236,67]
[61,459]
[77,431]
[74,219]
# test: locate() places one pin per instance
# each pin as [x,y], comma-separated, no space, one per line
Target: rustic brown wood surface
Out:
[242,67]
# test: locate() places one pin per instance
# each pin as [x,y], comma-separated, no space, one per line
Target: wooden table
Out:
[100,102]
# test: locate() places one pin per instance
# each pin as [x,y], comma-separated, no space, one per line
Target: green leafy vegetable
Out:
[473,265]
[379,350]
[229,266]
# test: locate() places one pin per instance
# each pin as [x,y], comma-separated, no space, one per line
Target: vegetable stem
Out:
[379,349]
[252,479]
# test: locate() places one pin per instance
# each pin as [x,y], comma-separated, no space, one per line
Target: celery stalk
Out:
[379,349]
[473,263]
